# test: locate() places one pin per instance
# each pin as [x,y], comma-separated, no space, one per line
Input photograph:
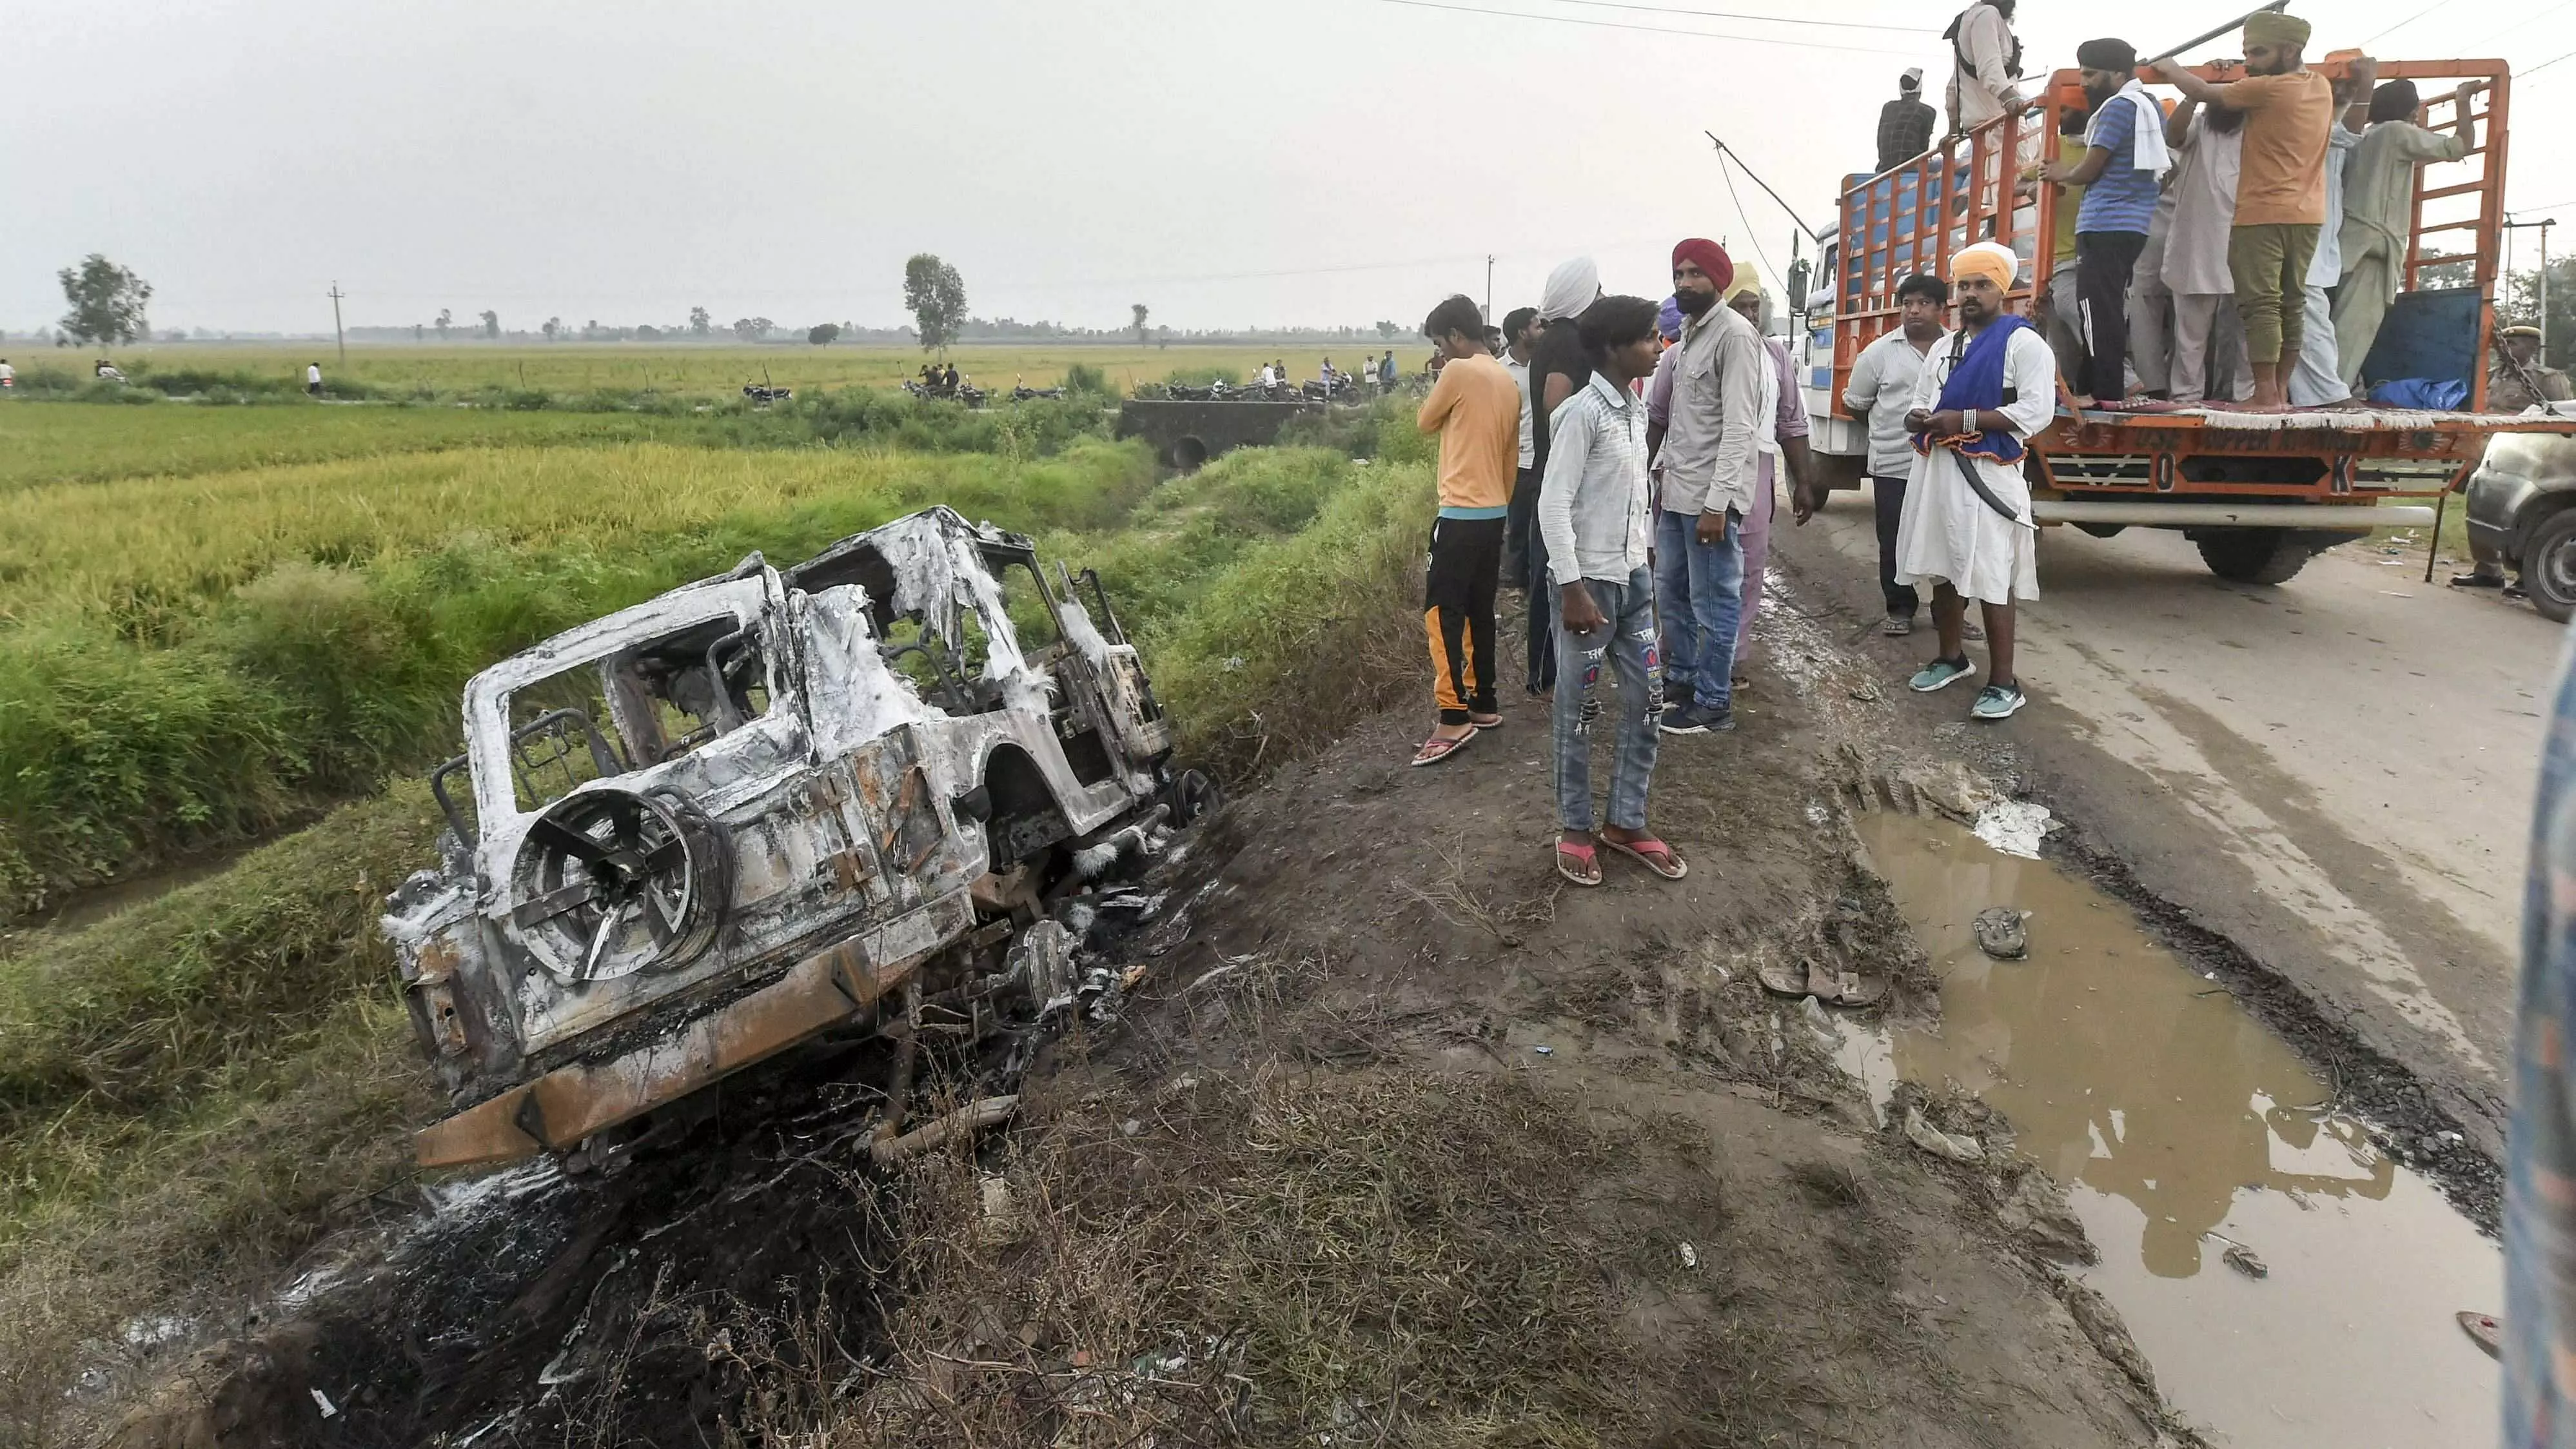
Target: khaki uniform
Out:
[2513,387]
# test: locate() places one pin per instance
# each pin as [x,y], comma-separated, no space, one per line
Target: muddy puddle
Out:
[2182,1128]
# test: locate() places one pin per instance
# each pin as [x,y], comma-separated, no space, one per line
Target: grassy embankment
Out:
[194,1090]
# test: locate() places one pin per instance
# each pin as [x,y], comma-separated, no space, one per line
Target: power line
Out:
[1752,233]
[2409,20]
[2517,25]
[1745,15]
[2544,65]
[1652,29]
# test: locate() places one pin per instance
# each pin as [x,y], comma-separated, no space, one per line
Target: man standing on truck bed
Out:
[1905,124]
[2124,160]
[1968,529]
[2281,192]
[2379,211]
[1476,410]
[1985,60]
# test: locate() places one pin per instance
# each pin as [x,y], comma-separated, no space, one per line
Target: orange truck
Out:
[2260,493]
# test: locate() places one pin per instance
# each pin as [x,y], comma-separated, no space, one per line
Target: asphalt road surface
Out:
[2336,772]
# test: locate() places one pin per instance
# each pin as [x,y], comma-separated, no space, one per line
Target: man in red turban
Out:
[1711,452]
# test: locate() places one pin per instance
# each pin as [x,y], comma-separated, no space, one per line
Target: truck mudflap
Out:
[559,1110]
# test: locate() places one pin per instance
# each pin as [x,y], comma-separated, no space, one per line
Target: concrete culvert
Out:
[1188,453]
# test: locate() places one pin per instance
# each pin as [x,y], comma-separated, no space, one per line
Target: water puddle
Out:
[2182,1127]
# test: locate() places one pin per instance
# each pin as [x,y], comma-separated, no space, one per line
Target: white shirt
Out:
[313,372]
[2327,267]
[1592,504]
[1949,533]
[1977,79]
[10,374]
[1882,385]
[1529,438]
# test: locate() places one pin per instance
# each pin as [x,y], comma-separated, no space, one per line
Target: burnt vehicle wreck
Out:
[838,797]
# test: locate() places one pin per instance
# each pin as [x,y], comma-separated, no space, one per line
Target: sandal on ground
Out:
[2487,1329]
[1814,978]
[1580,864]
[1897,626]
[1484,722]
[1436,749]
[1651,853]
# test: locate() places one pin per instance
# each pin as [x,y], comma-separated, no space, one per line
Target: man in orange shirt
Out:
[1475,407]
[2280,190]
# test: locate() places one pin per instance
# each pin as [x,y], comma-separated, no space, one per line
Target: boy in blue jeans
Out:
[1592,513]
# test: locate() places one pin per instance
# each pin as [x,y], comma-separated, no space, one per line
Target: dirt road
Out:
[2334,774]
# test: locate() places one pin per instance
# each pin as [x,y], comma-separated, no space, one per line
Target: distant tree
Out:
[445,320]
[416,330]
[492,325]
[936,297]
[699,322]
[553,326]
[647,332]
[1388,330]
[1163,336]
[2521,304]
[107,302]
[1139,309]
[822,333]
[752,329]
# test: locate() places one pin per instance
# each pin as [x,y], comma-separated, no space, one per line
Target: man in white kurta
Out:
[1950,537]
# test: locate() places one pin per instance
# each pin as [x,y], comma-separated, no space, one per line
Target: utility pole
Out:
[1489,288]
[2541,226]
[337,330]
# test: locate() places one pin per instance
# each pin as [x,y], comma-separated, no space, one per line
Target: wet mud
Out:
[2199,1151]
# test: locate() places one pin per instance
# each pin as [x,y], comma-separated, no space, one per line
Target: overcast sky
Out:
[1295,162]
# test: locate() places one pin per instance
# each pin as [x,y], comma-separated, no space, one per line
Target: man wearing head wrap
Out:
[1968,529]
[1711,458]
[2125,160]
[1781,438]
[2379,210]
[1559,367]
[1905,124]
[2280,192]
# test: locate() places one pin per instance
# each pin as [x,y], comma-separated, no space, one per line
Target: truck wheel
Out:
[2254,555]
[2549,566]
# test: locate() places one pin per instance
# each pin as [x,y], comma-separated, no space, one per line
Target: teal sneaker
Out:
[1998,701]
[1941,674]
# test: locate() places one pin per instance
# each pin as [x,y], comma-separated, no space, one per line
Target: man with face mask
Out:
[2280,190]
[2125,159]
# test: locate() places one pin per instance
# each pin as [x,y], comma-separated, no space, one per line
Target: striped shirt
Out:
[2123,197]
[1592,504]
[2540,1151]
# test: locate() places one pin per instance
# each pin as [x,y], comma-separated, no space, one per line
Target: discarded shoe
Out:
[2000,933]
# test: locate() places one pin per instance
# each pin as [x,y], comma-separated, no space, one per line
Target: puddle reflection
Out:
[2182,1125]
[2118,1067]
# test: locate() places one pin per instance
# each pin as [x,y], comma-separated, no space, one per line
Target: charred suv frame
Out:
[766,806]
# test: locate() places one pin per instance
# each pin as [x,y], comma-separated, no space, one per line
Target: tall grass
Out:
[196,1090]
[194,658]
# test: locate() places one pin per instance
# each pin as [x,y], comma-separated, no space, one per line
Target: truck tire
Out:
[2549,566]
[2254,555]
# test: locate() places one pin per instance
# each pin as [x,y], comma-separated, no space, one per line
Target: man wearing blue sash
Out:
[1967,530]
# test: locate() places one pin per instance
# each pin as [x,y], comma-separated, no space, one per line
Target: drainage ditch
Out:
[2291,1283]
